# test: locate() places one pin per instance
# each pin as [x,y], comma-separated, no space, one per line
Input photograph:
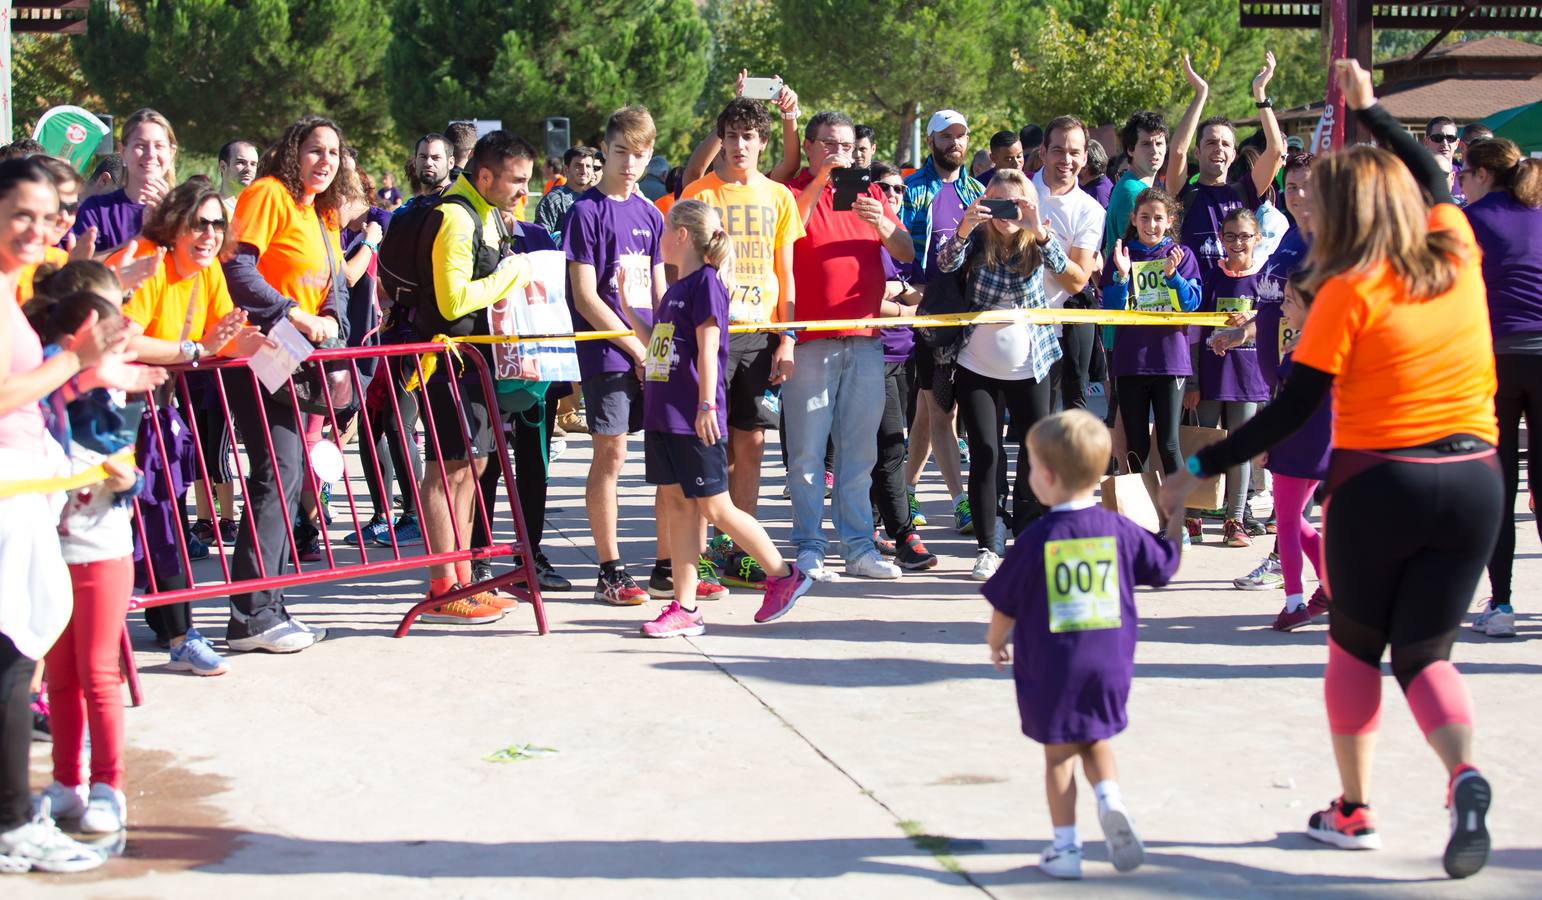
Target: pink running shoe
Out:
[782,593]
[674,621]
[1318,604]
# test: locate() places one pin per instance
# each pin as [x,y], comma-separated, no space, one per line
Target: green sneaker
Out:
[720,551]
[963,517]
[916,518]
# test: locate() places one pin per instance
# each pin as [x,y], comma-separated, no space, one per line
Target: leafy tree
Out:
[220,70]
[44,74]
[523,60]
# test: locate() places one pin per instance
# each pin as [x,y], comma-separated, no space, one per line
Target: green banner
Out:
[71,133]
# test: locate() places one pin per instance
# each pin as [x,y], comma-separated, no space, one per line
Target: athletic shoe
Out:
[1253,527]
[1267,577]
[196,549]
[873,565]
[1184,538]
[1356,831]
[999,538]
[64,802]
[285,637]
[1061,862]
[782,593]
[813,566]
[42,732]
[407,531]
[1468,799]
[1318,602]
[829,484]
[308,539]
[1195,530]
[559,446]
[916,518]
[203,529]
[319,632]
[963,519]
[481,570]
[787,491]
[913,556]
[884,545]
[618,589]
[106,811]
[675,622]
[1233,535]
[196,655]
[661,586]
[985,565]
[40,845]
[720,549]
[706,578]
[573,423]
[1271,526]
[547,576]
[1219,513]
[376,532]
[1497,621]
[1289,620]
[1125,849]
[743,571]
[963,451]
[496,599]
[465,611]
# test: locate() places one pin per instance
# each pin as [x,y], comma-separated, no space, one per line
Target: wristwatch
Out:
[708,407]
[1265,103]
[192,350]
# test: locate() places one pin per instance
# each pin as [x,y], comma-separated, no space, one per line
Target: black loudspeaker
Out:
[559,136]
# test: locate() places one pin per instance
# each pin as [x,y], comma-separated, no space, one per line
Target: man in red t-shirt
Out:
[838,376]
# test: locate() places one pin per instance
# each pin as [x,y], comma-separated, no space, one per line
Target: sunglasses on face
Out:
[70,208]
[217,225]
[1443,138]
[894,189]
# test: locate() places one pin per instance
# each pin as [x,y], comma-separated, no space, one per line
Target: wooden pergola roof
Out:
[1450,15]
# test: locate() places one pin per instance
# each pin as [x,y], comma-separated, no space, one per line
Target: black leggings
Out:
[1520,393]
[15,735]
[1141,396]
[530,455]
[1404,547]
[981,401]
[890,500]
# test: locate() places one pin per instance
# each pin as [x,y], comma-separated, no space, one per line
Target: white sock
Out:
[963,495]
[1108,794]
[1065,837]
[1294,602]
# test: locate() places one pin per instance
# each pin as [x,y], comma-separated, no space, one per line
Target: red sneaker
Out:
[1318,603]
[1234,535]
[1290,620]
[1355,831]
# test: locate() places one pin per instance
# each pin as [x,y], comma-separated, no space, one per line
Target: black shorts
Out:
[613,402]
[700,470]
[925,365]
[447,427]
[749,378]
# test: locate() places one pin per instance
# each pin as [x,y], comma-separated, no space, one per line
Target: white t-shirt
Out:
[1076,221]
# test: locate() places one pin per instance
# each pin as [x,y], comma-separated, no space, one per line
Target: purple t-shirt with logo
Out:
[947,213]
[1100,189]
[1510,235]
[1073,675]
[670,404]
[1237,375]
[1205,206]
[1305,453]
[1153,349]
[608,235]
[116,217]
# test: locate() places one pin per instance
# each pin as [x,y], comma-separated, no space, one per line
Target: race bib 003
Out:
[661,352]
[1081,576]
[1148,284]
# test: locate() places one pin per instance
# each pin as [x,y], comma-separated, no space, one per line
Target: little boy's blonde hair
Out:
[1074,445]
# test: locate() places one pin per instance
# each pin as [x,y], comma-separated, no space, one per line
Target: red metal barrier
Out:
[522,581]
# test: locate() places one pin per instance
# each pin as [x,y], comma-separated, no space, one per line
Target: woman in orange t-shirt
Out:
[282,262]
[1399,330]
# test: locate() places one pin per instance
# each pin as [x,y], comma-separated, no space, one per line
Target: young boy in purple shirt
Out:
[1066,595]
[685,420]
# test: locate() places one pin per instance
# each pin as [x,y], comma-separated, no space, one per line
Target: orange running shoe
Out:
[465,611]
[1355,831]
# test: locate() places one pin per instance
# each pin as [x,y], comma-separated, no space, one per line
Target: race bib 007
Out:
[1148,284]
[1081,576]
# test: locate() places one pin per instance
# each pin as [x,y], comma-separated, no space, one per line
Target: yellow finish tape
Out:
[94,475]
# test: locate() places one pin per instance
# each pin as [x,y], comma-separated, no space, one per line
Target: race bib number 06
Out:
[661,352]
[1082,579]
[1149,283]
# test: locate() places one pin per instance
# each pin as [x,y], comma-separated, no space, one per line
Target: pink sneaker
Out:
[675,621]
[1290,621]
[782,593]
[1319,602]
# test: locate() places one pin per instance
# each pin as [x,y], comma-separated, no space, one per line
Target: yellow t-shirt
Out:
[165,304]
[761,217]
[288,236]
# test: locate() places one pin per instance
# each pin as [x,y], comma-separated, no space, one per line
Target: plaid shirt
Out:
[998,287]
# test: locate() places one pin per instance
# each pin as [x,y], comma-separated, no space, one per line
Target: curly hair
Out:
[179,210]
[746,115]
[282,161]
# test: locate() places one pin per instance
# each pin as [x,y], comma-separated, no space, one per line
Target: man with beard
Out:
[432,164]
[939,192]
[238,168]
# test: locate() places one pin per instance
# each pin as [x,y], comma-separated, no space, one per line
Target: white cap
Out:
[943,119]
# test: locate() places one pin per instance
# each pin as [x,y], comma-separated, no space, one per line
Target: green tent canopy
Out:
[1521,124]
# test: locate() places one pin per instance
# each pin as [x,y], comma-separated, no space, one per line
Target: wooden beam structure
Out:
[49,16]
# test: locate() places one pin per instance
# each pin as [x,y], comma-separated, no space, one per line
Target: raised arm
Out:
[1361,97]
[1183,136]
[792,146]
[1268,163]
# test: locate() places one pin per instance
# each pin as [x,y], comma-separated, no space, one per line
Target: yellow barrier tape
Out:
[429,362]
[952,320]
[94,475]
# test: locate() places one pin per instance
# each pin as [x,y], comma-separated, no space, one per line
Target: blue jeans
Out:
[834,380]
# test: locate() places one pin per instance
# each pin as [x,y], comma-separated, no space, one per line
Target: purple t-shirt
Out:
[1069,582]
[1204,208]
[116,217]
[671,389]
[1101,190]
[1154,349]
[1305,453]
[1510,236]
[1286,259]
[1236,375]
[897,342]
[608,234]
[947,213]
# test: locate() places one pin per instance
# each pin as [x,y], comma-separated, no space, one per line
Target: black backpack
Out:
[406,263]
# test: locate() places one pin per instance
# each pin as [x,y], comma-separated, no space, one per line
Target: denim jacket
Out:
[916,209]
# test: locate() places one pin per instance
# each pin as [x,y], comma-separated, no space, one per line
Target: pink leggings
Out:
[83,674]
[1295,536]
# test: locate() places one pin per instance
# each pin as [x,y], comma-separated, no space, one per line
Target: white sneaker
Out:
[285,637]
[1498,621]
[1124,847]
[63,801]
[40,845]
[106,811]
[813,566]
[985,565]
[872,565]
[1061,862]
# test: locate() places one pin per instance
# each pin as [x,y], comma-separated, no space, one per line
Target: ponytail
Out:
[1515,173]
[1527,187]
[705,228]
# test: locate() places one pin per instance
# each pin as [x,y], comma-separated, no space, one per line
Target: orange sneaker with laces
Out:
[465,611]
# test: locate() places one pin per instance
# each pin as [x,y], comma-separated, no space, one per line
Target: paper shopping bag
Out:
[1134,496]
[1210,493]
